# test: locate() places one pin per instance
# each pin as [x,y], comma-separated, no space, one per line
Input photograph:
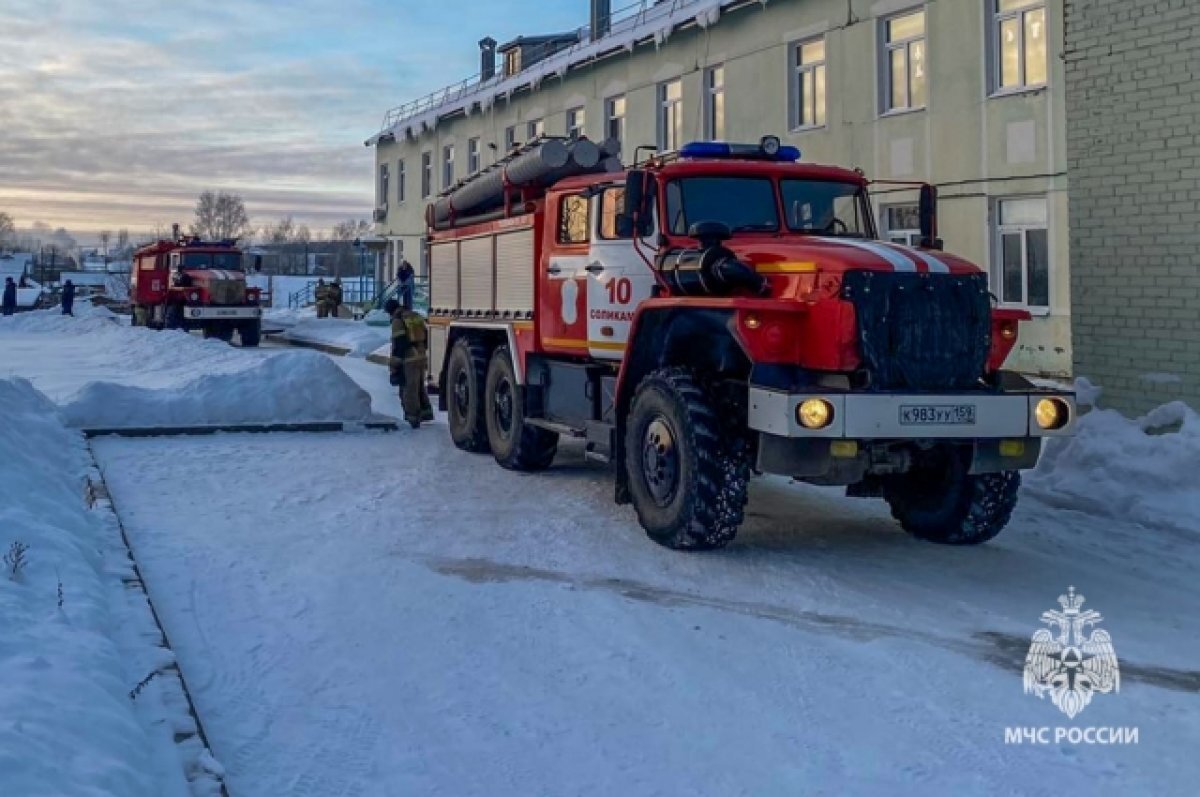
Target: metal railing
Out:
[354,291]
[621,21]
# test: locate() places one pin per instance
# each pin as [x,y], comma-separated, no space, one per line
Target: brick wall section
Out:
[1133,151]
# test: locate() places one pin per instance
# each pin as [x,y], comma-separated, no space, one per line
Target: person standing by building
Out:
[321,294]
[407,278]
[335,296]
[409,361]
[68,298]
[8,305]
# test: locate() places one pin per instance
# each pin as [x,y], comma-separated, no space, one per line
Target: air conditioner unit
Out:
[381,213]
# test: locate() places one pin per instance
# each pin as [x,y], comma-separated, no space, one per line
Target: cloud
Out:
[118,113]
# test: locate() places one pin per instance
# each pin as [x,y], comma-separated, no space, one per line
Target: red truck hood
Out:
[846,254]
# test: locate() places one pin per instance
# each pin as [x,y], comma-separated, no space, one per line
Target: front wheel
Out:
[515,444]
[940,501]
[687,479]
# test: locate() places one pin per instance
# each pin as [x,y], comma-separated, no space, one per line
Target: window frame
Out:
[885,49]
[559,238]
[996,272]
[611,116]
[996,18]
[670,115]
[510,138]
[447,165]
[714,127]
[796,80]
[535,128]
[911,235]
[474,162]
[426,174]
[577,121]
[383,185]
[400,180]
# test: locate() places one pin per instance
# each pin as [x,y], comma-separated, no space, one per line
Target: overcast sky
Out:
[117,113]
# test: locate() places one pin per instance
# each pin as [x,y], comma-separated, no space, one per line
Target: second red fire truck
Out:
[721,311]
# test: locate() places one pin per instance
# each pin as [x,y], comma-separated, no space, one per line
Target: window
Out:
[1022,273]
[576,122]
[826,207]
[512,62]
[400,180]
[472,155]
[714,103]
[573,220]
[670,115]
[745,204]
[808,84]
[536,128]
[510,138]
[426,174]
[902,224]
[612,204]
[447,166]
[381,190]
[614,113]
[904,62]
[1020,42]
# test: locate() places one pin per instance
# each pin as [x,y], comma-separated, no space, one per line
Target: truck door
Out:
[618,278]
[562,310]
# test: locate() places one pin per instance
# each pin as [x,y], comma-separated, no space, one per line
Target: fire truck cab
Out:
[726,310]
[187,283]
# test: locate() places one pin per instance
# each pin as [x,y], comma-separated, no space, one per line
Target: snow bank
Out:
[356,337]
[1144,469]
[67,723]
[293,386]
[102,373]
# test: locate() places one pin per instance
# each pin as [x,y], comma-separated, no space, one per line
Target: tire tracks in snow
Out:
[1004,650]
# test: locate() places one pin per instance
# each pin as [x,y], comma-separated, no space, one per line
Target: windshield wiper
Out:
[763,227]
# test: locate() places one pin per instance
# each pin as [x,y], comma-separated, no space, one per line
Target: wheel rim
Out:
[462,394]
[660,460]
[502,407]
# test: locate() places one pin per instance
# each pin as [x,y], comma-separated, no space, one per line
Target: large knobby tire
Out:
[251,334]
[687,478]
[466,374]
[939,501]
[515,444]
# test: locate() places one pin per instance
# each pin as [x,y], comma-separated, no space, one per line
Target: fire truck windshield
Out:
[230,261]
[822,207]
[744,204]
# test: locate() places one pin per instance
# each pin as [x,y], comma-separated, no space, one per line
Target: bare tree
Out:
[105,237]
[8,230]
[220,216]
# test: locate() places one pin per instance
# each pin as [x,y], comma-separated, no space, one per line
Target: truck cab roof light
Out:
[770,149]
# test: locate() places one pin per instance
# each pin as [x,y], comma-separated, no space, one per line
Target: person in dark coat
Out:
[409,361]
[8,305]
[407,278]
[68,298]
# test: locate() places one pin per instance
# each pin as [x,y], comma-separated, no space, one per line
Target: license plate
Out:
[937,414]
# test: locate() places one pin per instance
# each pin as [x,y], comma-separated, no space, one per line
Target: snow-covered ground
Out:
[104,373]
[73,646]
[382,614]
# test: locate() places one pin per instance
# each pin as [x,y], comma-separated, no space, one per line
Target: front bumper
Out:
[222,313]
[910,416]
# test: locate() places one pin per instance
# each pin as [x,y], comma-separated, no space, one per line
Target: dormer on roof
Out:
[525,51]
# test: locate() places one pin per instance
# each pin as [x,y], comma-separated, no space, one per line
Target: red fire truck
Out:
[721,311]
[186,283]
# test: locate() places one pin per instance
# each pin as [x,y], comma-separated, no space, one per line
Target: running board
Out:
[381,424]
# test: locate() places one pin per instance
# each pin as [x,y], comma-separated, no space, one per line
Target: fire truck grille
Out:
[921,331]
[227,291]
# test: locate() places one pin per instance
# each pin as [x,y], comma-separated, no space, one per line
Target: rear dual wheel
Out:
[515,444]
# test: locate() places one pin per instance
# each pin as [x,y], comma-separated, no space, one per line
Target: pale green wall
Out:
[961,141]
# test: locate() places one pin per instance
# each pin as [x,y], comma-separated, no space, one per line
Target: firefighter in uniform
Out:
[321,294]
[409,361]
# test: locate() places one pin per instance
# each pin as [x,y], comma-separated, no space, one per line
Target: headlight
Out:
[814,413]
[1052,413]
[193,297]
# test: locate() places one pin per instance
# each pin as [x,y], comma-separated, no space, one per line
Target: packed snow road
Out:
[381,614]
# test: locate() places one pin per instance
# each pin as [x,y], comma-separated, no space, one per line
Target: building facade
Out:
[1133,111]
[966,94]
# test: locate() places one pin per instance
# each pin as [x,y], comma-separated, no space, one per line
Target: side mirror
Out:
[927,211]
[635,192]
[624,225]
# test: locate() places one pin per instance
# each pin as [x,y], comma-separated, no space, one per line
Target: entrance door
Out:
[618,278]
